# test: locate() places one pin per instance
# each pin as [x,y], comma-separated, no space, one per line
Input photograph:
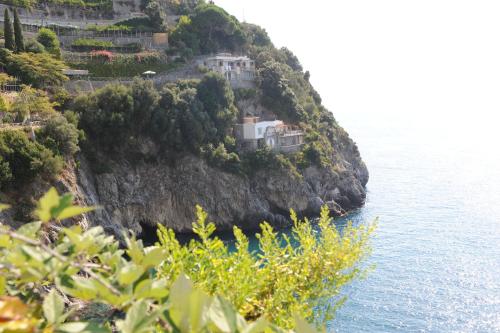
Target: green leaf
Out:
[46,203]
[64,201]
[4,207]
[302,326]
[5,241]
[179,302]
[3,283]
[138,320]
[53,307]
[30,229]
[225,316]
[135,249]
[154,256]
[72,211]
[199,303]
[53,206]
[81,327]
[129,274]
[151,289]
[256,327]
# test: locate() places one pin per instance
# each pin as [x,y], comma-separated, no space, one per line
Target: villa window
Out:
[221,63]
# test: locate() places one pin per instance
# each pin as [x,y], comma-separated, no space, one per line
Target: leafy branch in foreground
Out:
[300,273]
[56,286]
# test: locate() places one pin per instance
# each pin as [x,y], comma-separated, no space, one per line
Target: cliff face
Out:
[144,194]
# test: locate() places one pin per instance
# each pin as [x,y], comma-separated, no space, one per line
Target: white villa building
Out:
[254,133]
[238,70]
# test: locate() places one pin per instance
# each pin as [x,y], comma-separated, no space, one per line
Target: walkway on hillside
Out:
[19,126]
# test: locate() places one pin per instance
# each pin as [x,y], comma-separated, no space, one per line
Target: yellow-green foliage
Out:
[42,283]
[32,102]
[300,273]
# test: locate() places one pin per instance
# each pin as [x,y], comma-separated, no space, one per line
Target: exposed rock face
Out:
[133,196]
[147,193]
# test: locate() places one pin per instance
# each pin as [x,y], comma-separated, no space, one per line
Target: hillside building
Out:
[238,70]
[254,133]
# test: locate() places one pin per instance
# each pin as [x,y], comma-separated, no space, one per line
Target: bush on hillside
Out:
[256,35]
[32,102]
[217,97]
[221,158]
[60,136]
[38,70]
[33,46]
[25,159]
[105,115]
[156,15]
[49,40]
[208,29]
[277,94]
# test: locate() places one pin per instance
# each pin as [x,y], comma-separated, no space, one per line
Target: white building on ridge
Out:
[238,70]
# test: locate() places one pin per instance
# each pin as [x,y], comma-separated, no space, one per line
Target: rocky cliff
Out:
[135,196]
[144,194]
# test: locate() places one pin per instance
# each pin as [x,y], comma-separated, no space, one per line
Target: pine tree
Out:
[18,33]
[8,33]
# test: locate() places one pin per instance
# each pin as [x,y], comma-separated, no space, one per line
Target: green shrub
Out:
[156,15]
[33,46]
[92,43]
[221,158]
[143,24]
[168,287]
[60,136]
[256,35]
[217,97]
[49,40]
[106,115]
[38,70]
[26,159]
[277,93]
[32,102]
[4,105]
[208,29]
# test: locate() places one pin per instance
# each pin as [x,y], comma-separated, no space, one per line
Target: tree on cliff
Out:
[156,15]
[8,32]
[18,33]
[209,29]
[106,115]
[277,94]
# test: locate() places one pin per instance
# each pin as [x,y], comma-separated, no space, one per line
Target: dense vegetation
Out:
[37,69]
[22,160]
[181,117]
[208,29]
[201,287]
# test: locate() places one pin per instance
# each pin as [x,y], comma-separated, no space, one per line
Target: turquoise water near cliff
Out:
[435,186]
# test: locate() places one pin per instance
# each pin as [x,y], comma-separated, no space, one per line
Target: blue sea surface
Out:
[435,187]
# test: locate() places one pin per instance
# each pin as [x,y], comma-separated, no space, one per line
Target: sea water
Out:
[435,187]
